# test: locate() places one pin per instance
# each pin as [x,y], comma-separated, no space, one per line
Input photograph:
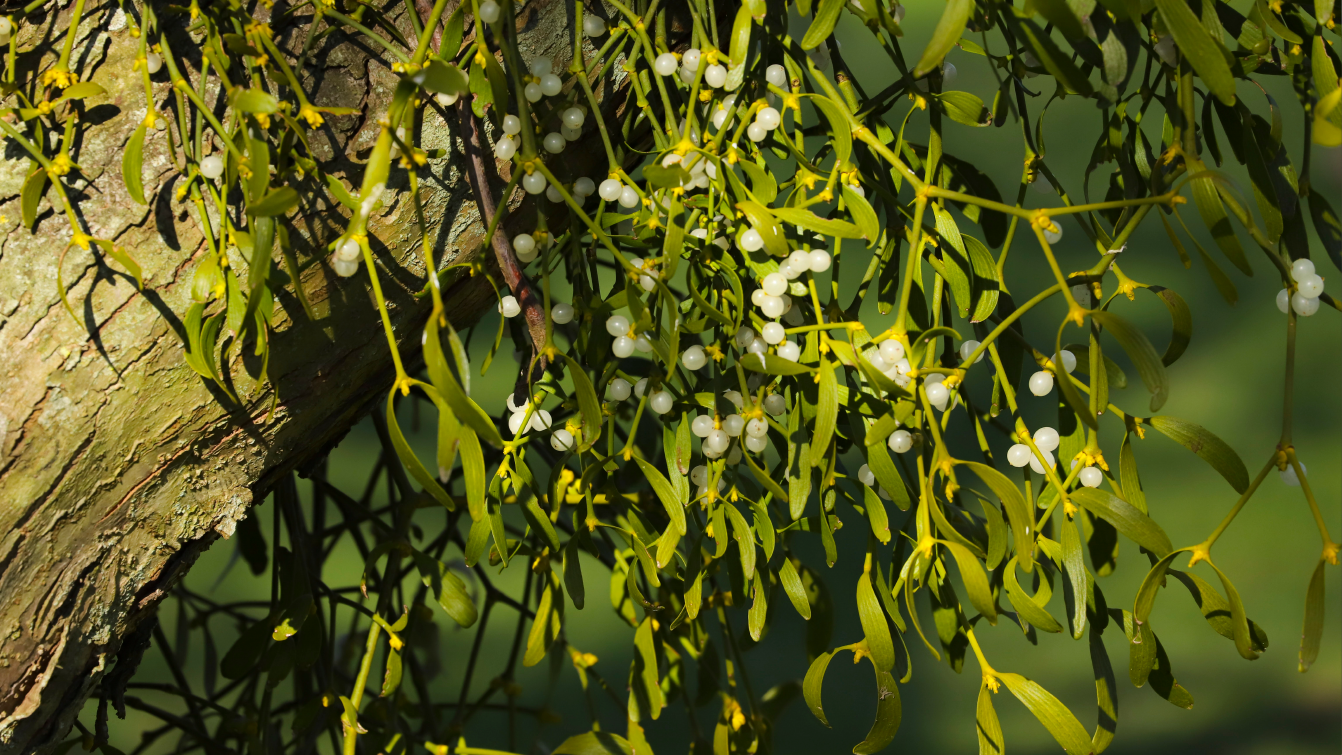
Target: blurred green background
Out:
[1230,381]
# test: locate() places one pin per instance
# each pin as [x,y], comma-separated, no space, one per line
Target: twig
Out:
[521,286]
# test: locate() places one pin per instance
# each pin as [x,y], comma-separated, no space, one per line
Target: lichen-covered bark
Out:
[118,464]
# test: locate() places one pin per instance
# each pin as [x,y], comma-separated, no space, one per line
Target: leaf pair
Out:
[889,711]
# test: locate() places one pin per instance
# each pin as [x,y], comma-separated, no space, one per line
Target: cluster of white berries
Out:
[936,390]
[723,111]
[619,390]
[346,261]
[702,170]
[612,190]
[347,250]
[1308,288]
[1041,383]
[1046,439]
[506,147]
[720,436]
[550,85]
[766,119]
[569,130]
[7,31]
[626,341]
[540,419]
[699,476]
[715,75]
[772,334]
[888,357]
[770,297]
[524,246]
[796,264]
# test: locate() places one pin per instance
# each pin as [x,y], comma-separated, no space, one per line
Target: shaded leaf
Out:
[949,28]
[889,713]
[454,598]
[1181,320]
[1313,632]
[1125,517]
[408,457]
[1206,445]
[1206,56]
[588,405]
[594,743]
[1142,353]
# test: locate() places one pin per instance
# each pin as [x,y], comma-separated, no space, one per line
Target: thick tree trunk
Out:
[118,464]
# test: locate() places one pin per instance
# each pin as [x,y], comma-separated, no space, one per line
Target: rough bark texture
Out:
[118,464]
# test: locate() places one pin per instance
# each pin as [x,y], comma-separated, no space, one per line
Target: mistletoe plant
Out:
[699,391]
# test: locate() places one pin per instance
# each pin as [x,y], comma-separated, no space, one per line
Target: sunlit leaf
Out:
[1018,511]
[796,593]
[989,730]
[1051,713]
[874,625]
[815,678]
[1125,517]
[132,166]
[665,493]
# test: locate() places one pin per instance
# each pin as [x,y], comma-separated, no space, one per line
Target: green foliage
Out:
[727,287]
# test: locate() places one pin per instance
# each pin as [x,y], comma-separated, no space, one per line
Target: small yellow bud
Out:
[311,115]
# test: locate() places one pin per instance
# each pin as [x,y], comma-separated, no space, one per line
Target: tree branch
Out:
[479,174]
